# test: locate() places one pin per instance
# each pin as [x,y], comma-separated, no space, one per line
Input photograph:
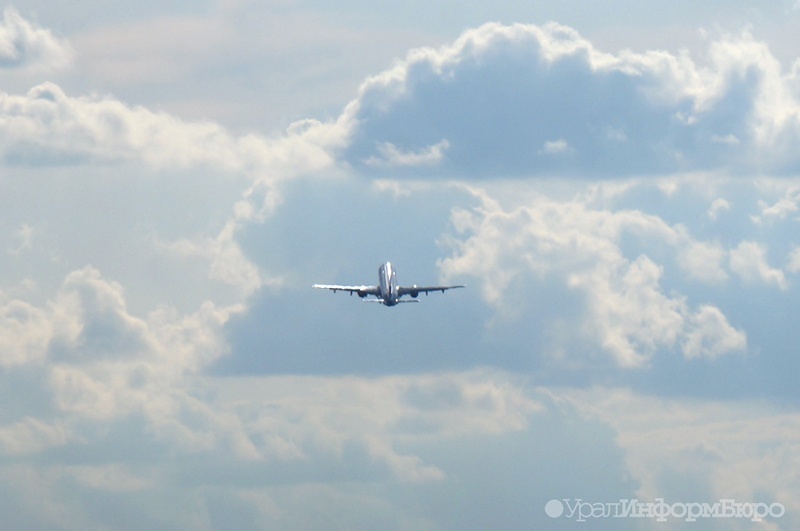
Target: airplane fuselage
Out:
[387,284]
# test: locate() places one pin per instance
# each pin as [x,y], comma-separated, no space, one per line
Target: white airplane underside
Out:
[387,292]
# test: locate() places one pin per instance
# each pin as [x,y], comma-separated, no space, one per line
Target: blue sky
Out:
[617,185]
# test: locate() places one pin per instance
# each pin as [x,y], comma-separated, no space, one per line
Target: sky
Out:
[617,184]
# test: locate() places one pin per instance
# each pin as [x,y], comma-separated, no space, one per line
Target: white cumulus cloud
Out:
[749,261]
[626,310]
[508,98]
[23,44]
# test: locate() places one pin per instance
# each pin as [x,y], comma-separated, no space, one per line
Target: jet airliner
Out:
[387,291]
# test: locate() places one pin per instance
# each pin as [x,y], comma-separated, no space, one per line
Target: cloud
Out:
[507,98]
[392,156]
[794,261]
[717,206]
[47,126]
[227,262]
[98,363]
[413,435]
[749,261]
[781,209]
[24,333]
[679,448]
[31,436]
[159,339]
[23,240]
[704,261]
[623,308]
[24,45]
[555,147]
[629,312]
[194,185]
[712,335]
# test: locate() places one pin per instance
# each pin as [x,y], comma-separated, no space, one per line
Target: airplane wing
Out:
[416,290]
[361,290]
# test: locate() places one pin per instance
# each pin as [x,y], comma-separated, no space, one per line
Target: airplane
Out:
[387,291]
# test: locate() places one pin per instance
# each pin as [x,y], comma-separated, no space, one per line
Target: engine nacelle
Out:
[362,294]
[414,294]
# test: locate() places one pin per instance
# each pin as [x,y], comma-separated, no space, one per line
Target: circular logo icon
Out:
[554,508]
